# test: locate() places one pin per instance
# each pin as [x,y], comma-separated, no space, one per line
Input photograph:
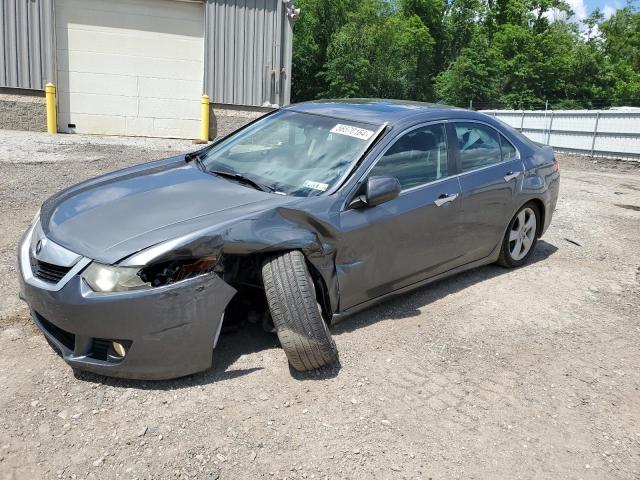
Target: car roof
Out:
[378,111]
[402,114]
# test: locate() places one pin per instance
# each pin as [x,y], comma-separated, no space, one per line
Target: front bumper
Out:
[171,330]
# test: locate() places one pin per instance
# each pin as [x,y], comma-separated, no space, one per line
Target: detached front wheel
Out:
[296,314]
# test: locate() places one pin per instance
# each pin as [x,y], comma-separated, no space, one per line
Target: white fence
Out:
[605,133]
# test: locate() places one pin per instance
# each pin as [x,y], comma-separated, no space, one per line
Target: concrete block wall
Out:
[23,112]
[28,112]
[224,119]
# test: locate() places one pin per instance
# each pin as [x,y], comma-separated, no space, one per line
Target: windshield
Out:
[292,153]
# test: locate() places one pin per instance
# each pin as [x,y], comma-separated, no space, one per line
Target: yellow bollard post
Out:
[52,121]
[204,116]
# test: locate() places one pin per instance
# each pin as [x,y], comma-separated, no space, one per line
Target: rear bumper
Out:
[551,201]
[171,329]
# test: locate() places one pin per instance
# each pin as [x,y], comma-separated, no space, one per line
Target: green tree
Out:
[460,27]
[377,54]
[472,77]
[432,60]
[510,53]
[621,36]
[319,21]
[540,10]
[591,23]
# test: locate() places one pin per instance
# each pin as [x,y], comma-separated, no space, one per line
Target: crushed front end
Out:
[162,332]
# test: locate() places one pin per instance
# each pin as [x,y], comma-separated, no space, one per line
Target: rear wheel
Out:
[521,237]
[296,314]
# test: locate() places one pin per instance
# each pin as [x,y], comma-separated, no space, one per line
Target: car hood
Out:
[115,216]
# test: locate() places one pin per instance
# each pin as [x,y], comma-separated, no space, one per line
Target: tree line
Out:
[485,53]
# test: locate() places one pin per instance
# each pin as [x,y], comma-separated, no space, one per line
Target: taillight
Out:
[556,165]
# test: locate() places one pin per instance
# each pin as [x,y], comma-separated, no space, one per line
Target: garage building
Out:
[140,67]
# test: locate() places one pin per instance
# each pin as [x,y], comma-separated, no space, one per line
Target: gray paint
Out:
[248,43]
[175,199]
[171,209]
[184,317]
[27,43]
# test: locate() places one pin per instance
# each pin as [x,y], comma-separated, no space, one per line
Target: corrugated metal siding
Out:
[247,49]
[613,133]
[247,46]
[27,43]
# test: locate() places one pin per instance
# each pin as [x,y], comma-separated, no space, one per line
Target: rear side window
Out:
[416,158]
[479,146]
[508,150]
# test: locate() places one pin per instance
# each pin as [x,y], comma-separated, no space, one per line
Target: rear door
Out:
[410,238]
[490,172]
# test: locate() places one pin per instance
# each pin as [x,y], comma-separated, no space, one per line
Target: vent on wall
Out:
[71,125]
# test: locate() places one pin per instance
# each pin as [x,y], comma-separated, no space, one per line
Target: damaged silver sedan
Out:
[304,216]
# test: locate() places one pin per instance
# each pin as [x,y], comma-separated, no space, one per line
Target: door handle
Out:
[445,198]
[511,175]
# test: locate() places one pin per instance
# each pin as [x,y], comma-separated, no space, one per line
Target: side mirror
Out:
[378,191]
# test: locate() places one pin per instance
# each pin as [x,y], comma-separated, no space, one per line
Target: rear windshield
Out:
[519,136]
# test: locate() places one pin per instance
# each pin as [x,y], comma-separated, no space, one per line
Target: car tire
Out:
[523,230]
[296,314]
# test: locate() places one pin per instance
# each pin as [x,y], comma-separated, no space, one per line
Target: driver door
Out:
[412,237]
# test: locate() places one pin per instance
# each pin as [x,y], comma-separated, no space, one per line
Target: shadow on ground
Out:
[409,304]
[253,338]
[231,346]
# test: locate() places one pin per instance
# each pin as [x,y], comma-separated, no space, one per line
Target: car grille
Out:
[47,271]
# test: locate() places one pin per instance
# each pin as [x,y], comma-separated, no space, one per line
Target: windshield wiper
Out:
[195,156]
[244,179]
[232,175]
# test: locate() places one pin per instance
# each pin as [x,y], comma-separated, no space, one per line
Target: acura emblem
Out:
[38,246]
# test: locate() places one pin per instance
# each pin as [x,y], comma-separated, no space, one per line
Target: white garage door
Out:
[130,67]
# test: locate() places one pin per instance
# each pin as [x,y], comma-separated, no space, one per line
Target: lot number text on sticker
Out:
[315,185]
[356,132]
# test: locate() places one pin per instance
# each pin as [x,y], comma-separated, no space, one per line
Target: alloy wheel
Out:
[523,233]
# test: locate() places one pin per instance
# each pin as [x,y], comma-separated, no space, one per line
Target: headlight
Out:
[166,273]
[106,278]
[31,236]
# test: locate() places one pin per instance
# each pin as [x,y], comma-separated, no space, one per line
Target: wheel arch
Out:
[321,290]
[539,203]
[318,281]
[541,209]
[257,258]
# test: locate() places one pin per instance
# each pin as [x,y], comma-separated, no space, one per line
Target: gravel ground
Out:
[528,373]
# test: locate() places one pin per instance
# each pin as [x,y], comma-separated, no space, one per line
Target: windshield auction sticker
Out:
[350,131]
[315,185]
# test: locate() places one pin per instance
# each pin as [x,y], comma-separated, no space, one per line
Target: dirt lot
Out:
[529,373]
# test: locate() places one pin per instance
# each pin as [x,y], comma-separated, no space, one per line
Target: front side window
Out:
[479,146]
[291,152]
[416,158]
